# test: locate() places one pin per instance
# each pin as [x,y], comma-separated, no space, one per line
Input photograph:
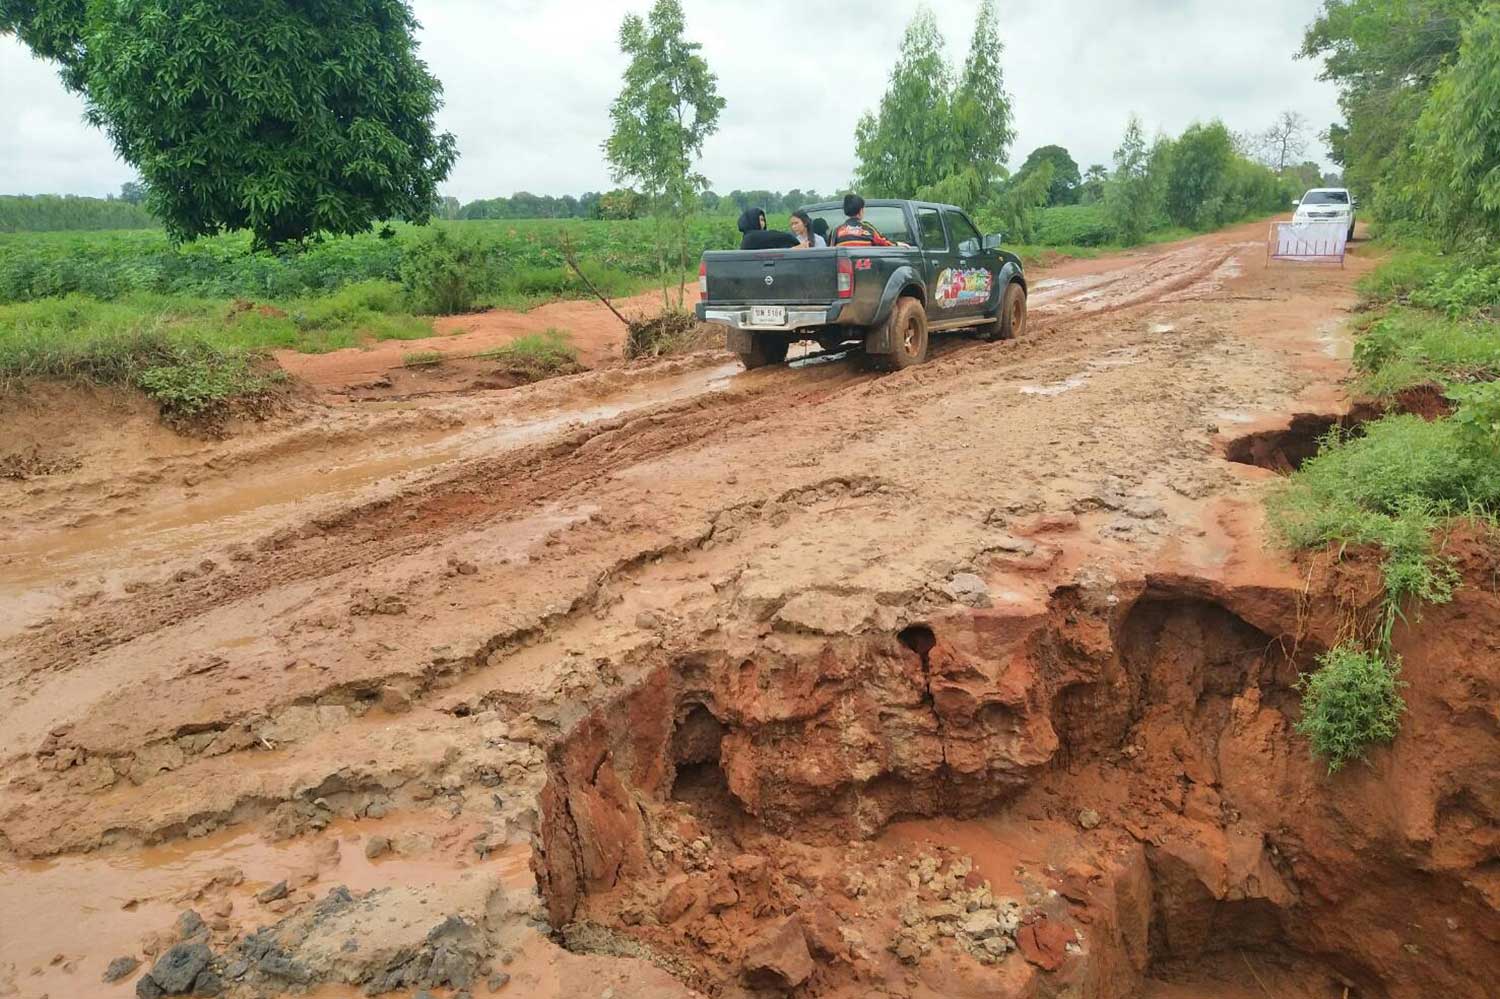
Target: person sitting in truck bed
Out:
[757,237]
[855,231]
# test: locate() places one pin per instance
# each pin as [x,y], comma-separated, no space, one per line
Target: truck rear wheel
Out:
[764,349]
[906,329]
[1011,322]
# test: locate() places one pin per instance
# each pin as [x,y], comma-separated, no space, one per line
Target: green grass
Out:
[1406,347]
[535,356]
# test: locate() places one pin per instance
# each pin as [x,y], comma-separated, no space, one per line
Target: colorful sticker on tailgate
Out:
[964,287]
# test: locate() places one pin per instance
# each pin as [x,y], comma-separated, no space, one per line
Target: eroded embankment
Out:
[1069,802]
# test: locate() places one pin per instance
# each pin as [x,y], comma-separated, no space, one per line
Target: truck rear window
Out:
[890,220]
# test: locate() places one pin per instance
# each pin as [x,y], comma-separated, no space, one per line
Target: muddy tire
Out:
[764,350]
[1011,322]
[907,330]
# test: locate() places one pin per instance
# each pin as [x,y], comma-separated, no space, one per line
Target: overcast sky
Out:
[528,85]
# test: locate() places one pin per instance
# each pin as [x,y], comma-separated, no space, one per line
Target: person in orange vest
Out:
[855,231]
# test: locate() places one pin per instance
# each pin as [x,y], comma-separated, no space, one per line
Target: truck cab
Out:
[942,275]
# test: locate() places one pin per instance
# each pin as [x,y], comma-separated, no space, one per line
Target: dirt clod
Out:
[778,957]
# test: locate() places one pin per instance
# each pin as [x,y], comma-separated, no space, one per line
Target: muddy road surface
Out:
[674,680]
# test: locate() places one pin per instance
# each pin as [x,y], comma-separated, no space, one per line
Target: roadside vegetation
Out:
[1420,143]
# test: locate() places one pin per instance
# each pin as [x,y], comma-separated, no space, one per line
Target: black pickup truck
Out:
[943,276]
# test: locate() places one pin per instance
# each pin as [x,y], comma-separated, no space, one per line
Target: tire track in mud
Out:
[517,482]
[564,467]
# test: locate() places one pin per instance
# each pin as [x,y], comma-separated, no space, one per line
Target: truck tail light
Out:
[846,277]
[703,280]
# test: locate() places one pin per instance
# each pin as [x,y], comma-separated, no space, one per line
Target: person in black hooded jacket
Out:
[757,237]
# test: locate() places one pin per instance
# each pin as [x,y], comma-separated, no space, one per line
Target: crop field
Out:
[110,264]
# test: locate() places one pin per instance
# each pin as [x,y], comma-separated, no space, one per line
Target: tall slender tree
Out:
[1132,197]
[982,120]
[668,105]
[908,143]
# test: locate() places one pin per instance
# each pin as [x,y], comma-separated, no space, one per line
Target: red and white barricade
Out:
[1320,242]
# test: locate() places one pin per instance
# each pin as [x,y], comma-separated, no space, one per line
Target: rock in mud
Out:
[679,899]
[273,893]
[1089,819]
[1044,943]
[778,958]
[176,971]
[968,589]
[394,700]
[120,968]
[376,846]
[189,924]
[823,613]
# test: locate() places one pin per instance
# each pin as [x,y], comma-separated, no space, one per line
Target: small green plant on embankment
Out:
[1353,700]
[1398,483]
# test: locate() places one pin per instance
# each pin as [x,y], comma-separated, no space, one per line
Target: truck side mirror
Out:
[968,247]
[1296,202]
[993,242]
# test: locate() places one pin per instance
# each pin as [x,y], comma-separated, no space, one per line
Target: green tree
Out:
[133,192]
[1456,179]
[981,109]
[1133,195]
[1198,176]
[284,119]
[1384,55]
[1020,207]
[1065,177]
[1091,191]
[668,105]
[907,144]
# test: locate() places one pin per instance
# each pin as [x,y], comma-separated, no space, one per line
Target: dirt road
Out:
[580,654]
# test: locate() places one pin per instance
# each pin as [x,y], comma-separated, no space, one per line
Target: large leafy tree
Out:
[668,105]
[1384,55]
[1063,189]
[1198,173]
[908,143]
[284,117]
[935,136]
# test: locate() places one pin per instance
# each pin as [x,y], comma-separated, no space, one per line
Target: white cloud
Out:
[528,85]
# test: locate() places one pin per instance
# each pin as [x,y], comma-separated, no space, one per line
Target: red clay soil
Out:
[671,680]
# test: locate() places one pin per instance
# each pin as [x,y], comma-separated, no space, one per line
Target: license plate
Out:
[768,315]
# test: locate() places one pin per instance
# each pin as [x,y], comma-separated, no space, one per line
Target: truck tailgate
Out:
[772,276]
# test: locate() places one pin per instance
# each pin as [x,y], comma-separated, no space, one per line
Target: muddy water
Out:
[87,910]
[191,524]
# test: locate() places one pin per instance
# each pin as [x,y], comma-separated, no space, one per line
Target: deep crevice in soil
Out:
[1125,774]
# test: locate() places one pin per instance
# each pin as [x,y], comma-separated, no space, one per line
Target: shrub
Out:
[1075,225]
[443,274]
[1352,701]
[200,385]
[1478,419]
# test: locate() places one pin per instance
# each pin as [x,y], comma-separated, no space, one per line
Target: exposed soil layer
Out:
[1130,802]
[657,680]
